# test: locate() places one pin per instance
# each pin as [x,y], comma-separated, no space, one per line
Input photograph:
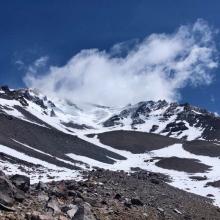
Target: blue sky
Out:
[60,29]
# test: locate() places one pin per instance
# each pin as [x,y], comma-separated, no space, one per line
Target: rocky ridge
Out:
[170,119]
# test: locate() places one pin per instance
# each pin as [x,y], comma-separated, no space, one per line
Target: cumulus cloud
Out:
[154,68]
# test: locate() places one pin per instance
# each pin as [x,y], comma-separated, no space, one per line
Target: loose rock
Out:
[21,182]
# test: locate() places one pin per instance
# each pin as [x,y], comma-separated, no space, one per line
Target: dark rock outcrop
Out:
[21,182]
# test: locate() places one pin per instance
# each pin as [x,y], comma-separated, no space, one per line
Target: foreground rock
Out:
[9,191]
[104,195]
[21,182]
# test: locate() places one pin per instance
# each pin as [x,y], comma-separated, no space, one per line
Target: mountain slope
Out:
[49,138]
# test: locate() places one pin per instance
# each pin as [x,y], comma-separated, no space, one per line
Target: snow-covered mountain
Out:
[51,138]
[170,119]
[181,121]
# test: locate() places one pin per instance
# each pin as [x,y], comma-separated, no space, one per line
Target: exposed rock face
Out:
[104,195]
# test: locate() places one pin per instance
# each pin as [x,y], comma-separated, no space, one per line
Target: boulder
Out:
[71,213]
[84,212]
[6,199]
[19,196]
[54,205]
[7,191]
[42,186]
[21,182]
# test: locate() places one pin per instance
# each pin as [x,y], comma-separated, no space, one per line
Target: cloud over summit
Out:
[154,68]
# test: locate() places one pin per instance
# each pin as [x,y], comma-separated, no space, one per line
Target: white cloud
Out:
[38,65]
[155,68]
